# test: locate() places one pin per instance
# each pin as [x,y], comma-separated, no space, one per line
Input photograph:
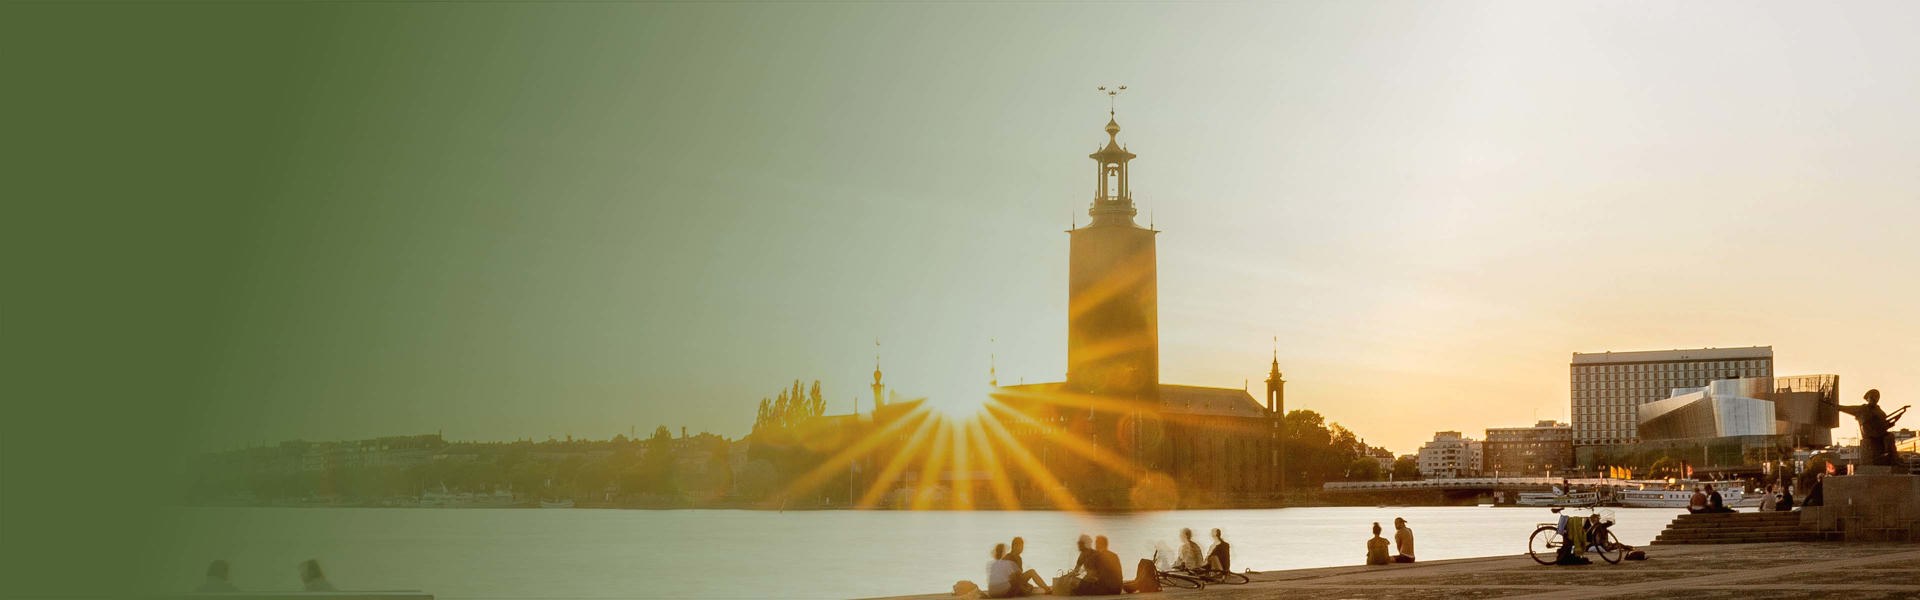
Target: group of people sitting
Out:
[219,578]
[1096,570]
[1402,543]
[1706,499]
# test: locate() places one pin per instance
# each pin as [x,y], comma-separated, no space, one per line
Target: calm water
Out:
[592,554]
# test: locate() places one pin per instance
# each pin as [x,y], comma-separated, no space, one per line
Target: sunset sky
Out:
[502,222]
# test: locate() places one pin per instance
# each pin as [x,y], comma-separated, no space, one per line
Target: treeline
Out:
[658,470]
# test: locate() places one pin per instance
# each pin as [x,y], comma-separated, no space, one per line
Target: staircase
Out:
[1736,528]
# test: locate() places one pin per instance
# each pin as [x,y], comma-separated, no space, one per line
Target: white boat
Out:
[1730,494]
[1553,499]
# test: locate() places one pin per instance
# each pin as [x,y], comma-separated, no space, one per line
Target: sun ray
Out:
[997,476]
[839,462]
[891,474]
[937,453]
[1049,485]
[1073,443]
[963,468]
[1013,398]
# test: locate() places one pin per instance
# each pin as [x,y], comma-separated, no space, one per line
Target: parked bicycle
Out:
[1548,539]
[1179,579]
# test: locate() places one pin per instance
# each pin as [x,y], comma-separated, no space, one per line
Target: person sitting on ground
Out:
[1786,498]
[1189,553]
[1102,571]
[216,579]
[1715,503]
[1377,548]
[1815,497]
[1698,503]
[1402,541]
[1000,574]
[1025,580]
[1220,556]
[312,579]
[1084,566]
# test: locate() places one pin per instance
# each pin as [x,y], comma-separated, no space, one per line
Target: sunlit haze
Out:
[669,212]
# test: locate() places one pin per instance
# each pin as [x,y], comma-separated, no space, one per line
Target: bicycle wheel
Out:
[1179,581]
[1232,578]
[1544,544]
[1611,549]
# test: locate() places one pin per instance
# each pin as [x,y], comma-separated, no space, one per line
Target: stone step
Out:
[1730,527]
[1739,537]
[1692,535]
[1695,531]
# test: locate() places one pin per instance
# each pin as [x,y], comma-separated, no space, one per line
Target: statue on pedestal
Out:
[1876,446]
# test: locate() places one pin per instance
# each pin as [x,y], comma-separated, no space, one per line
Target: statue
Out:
[1876,446]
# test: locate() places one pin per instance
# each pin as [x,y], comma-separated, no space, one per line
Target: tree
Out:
[1364,468]
[1406,468]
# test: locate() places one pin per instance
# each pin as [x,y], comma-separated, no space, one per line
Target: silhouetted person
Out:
[312,579]
[1817,496]
[217,580]
[1220,556]
[1084,565]
[1025,580]
[1716,504]
[1402,541]
[1698,503]
[1377,548]
[1786,498]
[1103,574]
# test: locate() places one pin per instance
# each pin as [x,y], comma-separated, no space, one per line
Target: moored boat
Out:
[1553,499]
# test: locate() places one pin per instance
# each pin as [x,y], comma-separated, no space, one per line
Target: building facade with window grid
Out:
[1609,387]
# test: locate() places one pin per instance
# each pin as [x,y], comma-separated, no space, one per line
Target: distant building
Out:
[1546,446]
[1752,406]
[1217,445]
[1450,455]
[1609,387]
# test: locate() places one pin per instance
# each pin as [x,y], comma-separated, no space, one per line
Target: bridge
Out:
[1466,484]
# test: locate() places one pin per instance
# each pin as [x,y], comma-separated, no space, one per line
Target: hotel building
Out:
[1609,387]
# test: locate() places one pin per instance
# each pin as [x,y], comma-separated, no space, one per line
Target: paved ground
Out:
[1742,571]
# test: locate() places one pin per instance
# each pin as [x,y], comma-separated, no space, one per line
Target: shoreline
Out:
[1793,570]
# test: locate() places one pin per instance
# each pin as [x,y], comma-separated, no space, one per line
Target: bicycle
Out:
[1546,542]
[1217,577]
[1173,579]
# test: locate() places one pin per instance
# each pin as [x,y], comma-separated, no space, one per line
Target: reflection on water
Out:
[520,553]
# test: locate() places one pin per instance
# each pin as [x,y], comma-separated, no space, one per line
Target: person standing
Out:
[1402,541]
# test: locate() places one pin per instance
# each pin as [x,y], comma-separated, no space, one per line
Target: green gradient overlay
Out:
[234,224]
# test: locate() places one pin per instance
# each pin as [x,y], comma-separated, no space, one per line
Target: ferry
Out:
[1730,494]
[1553,499]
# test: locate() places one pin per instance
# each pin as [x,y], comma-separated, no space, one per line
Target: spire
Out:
[993,375]
[1112,200]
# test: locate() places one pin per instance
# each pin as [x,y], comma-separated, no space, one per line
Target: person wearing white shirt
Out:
[1000,574]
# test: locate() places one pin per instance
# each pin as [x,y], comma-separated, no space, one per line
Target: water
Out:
[603,554]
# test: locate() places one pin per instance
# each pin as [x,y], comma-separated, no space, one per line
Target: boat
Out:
[1553,499]
[567,503]
[1730,494]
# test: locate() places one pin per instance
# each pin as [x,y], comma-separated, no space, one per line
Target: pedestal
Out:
[1867,508]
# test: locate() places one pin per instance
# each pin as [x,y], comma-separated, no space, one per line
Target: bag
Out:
[1637,555]
[1146,577]
[1064,584]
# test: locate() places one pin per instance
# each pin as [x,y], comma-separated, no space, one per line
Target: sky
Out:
[510,221]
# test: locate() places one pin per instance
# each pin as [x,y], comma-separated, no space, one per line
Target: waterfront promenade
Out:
[1744,571]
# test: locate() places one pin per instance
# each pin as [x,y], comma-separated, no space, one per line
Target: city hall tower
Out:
[1113,323]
